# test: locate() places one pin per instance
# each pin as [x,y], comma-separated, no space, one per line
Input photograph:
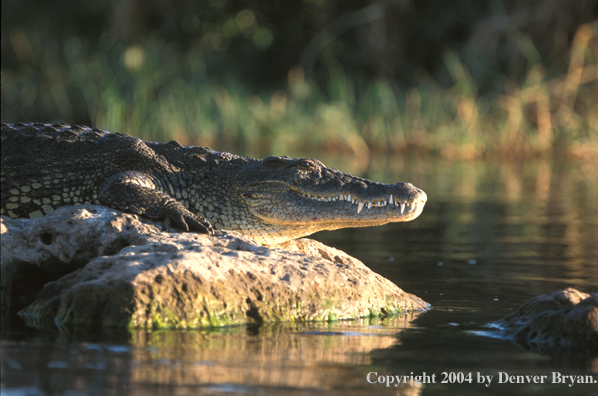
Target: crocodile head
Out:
[286,198]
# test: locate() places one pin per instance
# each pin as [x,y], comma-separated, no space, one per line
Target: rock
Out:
[37,251]
[124,271]
[566,320]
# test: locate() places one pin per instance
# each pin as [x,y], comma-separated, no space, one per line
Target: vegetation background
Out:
[459,79]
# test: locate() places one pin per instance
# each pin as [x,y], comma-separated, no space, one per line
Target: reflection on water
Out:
[262,359]
[491,237]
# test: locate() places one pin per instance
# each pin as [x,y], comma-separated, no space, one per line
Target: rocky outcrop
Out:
[94,265]
[566,320]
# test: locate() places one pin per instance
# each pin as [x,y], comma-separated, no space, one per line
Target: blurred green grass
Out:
[155,93]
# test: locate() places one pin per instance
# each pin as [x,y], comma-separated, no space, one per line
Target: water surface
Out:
[491,237]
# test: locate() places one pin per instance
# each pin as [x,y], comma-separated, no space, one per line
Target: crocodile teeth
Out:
[360,205]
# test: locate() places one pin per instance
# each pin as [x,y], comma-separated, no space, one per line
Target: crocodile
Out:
[272,200]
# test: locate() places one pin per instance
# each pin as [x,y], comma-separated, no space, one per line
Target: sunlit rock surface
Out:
[103,267]
[566,320]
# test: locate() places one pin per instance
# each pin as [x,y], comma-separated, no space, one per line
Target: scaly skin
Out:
[195,188]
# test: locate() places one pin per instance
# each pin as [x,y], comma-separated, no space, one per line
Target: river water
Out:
[492,236]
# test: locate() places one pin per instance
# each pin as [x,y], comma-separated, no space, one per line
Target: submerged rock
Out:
[566,320]
[104,267]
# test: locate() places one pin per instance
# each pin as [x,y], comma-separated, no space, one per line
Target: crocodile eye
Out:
[305,164]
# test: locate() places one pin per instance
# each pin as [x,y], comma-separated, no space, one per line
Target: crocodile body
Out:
[272,200]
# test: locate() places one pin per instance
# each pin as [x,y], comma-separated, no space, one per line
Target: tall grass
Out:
[151,92]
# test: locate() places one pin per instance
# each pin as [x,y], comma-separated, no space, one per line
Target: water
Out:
[491,237]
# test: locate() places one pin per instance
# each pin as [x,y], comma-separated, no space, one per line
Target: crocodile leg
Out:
[135,192]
